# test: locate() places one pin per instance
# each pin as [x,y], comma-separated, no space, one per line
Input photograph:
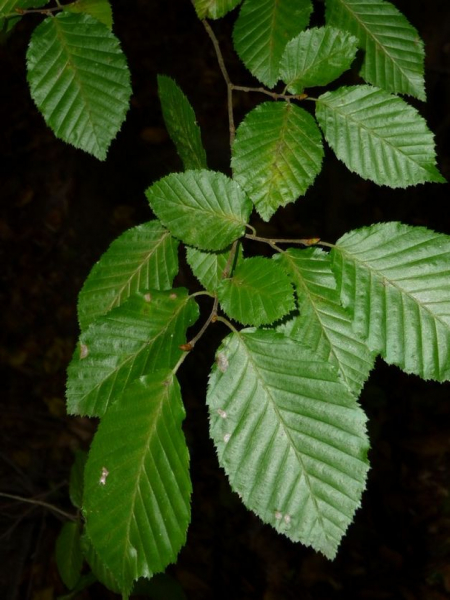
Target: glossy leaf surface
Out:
[209,267]
[214,9]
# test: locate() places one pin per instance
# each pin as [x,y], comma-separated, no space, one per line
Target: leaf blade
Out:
[208,267]
[214,9]
[69,557]
[99,9]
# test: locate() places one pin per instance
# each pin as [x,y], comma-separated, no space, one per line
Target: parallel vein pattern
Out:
[209,267]
[277,154]
[139,337]
[323,324]
[378,136]
[79,80]
[138,488]
[394,52]
[214,9]
[142,258]
[289,435]
[395,281]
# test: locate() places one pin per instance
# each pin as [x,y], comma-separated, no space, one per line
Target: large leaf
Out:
[139,337]
[394,52]
[323,324]
[277,154]
[137,505]
[379,136]
[289,435]
[316,57]
[209,267]
[262,31]
[142,258]
[205,209]
[98,568]
[79,80]
[214,9]
[179,118]
[69,557]
[258,293]
[99,9]
[395,282]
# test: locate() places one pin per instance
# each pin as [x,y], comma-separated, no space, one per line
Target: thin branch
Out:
[272,241]
[40,503]
[211,319]
[274,95]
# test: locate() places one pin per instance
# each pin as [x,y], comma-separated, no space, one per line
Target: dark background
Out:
[59,211]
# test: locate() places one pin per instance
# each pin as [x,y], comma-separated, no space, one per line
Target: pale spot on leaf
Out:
[148,297]
[226,438]
[222,362]
[222,413]
[278,515]
[103,476]
[84,351]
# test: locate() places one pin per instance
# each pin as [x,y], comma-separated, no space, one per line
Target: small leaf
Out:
[205,209]
[316,57]
[378,136]
[99,9]
[395,282]
[289,435]
[394,52]
[179,118]
[277,154]
[323,324]
[257,294]
[262,31]
[76,479]
[214,9]
[139,337]
[79,80]
[138,514]
[8,9]
[69,557]
[209,267]
[142,258]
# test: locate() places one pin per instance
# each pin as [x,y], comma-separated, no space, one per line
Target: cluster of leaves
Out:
[77,72]
[283,391]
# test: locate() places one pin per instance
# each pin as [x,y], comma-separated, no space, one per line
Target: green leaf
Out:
[8,9]
[179,118]
[76,479]
[137,505]
[99,9]
[98,568]
[394,52]
[378,136]
[205,209]
[289,435]
[277,154]
[142,258]
[209,267]
[395,282]
[262,31]
[214,9]
[79,80]
[316,57]
[323,324]
[259,293]
[139,337]
[69,557]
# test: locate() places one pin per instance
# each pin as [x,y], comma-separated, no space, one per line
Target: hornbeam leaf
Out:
[395,282]
[179,118]
[214,9]
[209,267]
[394,52]
[139,337]
[289,435]
[142,258]
[8,9]
[323,324]
[378,136]
[277,154]
[137,502]
[316,57]
[98,568]
[69,557]
[79,80]
[262,31]
[76,479]
[99,9]
[258,293]
[204,209]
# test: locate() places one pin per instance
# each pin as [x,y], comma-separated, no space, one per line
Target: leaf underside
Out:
[139,337]
[277,154]
[262,31]
[395,282]
[289,435]
[323,324]
[214,9]
[378,135]
[208,267]
[142,258]
[394,53]
[79,80]
[137,505]
[99,9]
